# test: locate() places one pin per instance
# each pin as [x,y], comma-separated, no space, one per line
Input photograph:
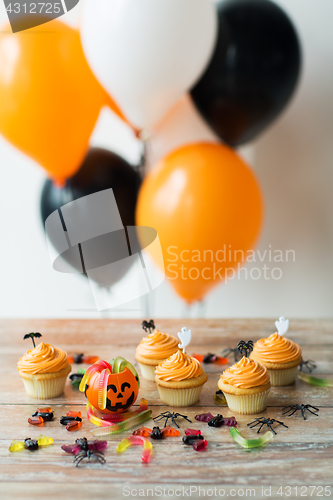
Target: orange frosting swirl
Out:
[276,349]
[157,345]
[179,367]
[247,373]
[43,358]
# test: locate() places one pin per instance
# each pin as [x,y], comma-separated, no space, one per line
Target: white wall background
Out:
[294,163]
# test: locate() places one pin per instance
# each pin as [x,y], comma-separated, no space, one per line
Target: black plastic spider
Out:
[173,416]
[309,365]
[229,350]
[245,348]
[83,449]
[291,409]
[265,421]
[148,325]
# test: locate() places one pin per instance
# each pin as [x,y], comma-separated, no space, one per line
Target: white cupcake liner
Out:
[247,404]
[44,389]
[281,378]
[180,397]
[147,371]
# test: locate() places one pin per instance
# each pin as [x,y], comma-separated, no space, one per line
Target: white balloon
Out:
[148,53]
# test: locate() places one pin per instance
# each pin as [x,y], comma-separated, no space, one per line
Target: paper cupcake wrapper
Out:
[180,397]
[247,404]
[44,389]
[147,372]
[281,378]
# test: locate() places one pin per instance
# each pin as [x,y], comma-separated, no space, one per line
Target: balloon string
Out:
[144,160]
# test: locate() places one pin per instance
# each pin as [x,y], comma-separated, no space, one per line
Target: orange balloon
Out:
[50,99]
[205,204]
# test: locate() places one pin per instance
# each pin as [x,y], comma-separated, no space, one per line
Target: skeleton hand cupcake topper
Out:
[184,336]
[282,325]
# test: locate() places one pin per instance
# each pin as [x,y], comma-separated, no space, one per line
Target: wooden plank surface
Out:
[300,456]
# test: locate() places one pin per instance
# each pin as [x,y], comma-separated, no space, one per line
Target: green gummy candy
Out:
[220,400]
[250,443]
[119,364]
[309,379]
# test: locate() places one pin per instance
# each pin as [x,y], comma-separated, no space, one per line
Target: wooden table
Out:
[300,456]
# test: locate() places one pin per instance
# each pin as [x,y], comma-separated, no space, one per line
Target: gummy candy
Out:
[98,366]
[310,379]
[192,432]
[48,409]
[64,420]
[17,446]
[143,431]
[73,426]
[47,416]
[250,443]
[81,358]
[138,418]
[191,438]
[76,379]
[210,358]
[230,421]
[73,414]
[30,444]
[200,445]
[104,420]
[204,417]
[75,448]
[156,432]
[219,398]
[119,364]
[44,440]
[35,421]
[137,440]
[217,421]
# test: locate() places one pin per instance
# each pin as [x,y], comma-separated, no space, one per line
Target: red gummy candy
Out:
[35,421]
[192,432]
[230,421]
[73,414]
[204,417]
[74,425]
[200,444]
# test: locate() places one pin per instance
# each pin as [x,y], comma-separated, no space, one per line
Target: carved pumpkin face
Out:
[122,391]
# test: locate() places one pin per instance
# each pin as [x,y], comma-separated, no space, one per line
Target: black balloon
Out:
[253,72]
[100,170]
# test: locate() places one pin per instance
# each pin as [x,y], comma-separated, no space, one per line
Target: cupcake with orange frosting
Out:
[280,356]
[246,386]
[180,380]
[44,370]
[154,349]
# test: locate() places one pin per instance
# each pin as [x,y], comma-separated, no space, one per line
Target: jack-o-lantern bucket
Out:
[111,387]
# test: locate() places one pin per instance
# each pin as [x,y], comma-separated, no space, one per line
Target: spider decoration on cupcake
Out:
[309,365]
[148,325]
[82,448]
[265,421]
[245,348]
[291,409]
[173,416]
[32,336]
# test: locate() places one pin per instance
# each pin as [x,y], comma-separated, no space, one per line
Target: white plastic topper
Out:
[184,336]
[282,325]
